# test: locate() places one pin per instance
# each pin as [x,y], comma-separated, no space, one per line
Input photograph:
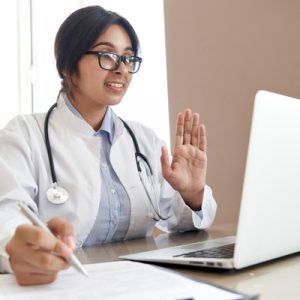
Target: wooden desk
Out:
[278,279]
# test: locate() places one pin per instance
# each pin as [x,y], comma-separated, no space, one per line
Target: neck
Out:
[92,112]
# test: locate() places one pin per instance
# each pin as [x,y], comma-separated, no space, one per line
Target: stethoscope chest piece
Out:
[57,195]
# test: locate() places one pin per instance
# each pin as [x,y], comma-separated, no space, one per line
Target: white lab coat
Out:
[26,176]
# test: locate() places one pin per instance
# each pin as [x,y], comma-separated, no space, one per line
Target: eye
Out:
[108,57]
[108,60]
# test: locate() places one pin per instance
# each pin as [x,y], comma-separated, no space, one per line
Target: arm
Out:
[10,217]
[16,183]
[25,249]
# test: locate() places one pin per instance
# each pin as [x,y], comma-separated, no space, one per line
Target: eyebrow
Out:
[110,45]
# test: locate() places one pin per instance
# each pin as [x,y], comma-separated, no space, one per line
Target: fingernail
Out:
[65,250]
[69,240]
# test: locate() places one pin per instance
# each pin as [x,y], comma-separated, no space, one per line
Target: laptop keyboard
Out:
[225,251]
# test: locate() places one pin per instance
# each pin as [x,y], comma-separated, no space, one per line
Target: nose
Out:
[122,69]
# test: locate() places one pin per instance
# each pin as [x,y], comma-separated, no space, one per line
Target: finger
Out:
[195,130]
[37,261]
[187,127]
[165,164]
[63,230]
[25,279]
[29,257]
[203,142]
[39,238]
[179,130]
[36,237]
[31,251]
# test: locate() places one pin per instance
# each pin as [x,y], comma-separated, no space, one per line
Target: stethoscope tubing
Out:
[137,149]
[138,156]
[47,142]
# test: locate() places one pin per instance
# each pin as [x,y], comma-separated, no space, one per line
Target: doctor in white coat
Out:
[94,159]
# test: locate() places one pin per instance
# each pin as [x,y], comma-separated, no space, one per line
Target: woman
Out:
[94,158]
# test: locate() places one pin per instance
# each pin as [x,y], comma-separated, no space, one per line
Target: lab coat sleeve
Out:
[16,182]
[10,216]
[180,216]
[10,220]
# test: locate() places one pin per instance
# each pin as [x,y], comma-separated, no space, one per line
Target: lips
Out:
[117,85]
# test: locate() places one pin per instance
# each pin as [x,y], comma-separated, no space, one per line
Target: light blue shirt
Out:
[113,217]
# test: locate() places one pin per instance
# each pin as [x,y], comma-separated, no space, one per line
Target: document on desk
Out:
[116,280]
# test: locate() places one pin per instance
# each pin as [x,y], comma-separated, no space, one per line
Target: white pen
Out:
[72,259]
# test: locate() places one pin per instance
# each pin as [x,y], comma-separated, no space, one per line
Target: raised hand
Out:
[187,171]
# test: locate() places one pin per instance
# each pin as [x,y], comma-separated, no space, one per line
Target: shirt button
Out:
[113,191]
[104,166]
[114,221]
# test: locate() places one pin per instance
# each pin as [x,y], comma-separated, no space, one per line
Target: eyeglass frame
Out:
[121,58]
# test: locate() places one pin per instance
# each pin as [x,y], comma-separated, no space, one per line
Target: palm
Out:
[188,168]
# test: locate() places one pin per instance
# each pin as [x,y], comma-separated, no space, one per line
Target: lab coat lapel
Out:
[124,164]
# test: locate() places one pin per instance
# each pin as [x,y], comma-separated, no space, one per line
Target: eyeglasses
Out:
[111,61]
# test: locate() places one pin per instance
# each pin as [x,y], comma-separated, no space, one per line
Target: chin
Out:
[115,101]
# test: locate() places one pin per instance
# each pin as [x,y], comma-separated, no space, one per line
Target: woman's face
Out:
[96,87]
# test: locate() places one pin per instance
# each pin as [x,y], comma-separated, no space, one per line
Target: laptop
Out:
[269,219]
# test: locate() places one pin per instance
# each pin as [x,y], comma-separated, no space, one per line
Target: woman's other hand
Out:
[37,256]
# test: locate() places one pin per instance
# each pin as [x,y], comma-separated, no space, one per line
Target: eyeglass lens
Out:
[111,61]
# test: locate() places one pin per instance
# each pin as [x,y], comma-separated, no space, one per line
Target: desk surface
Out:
[278,279]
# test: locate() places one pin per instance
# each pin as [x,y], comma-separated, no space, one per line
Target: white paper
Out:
[115,280]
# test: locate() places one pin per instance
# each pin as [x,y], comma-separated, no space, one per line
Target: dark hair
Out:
[79,32]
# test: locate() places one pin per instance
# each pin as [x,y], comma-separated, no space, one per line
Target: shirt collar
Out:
[108,123]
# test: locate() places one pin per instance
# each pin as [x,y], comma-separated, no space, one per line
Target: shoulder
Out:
[22,125]
[141,130]
[139,127]
[23,120]
[144,134]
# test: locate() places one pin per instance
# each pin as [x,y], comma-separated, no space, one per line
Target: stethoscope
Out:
[58,195]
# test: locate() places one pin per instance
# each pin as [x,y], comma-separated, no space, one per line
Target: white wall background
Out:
[29,81]
[9,61]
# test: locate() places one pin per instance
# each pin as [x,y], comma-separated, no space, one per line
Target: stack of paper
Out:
[116,280]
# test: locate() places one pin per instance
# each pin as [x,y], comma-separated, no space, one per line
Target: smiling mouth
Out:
[117,85]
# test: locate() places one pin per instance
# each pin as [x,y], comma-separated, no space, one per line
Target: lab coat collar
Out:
[108,124]
[71,120]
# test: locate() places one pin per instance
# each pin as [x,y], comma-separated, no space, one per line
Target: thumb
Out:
[165,164]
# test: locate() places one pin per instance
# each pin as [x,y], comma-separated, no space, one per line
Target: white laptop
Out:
[269,219]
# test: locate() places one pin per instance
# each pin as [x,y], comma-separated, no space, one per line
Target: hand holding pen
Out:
[36,256]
